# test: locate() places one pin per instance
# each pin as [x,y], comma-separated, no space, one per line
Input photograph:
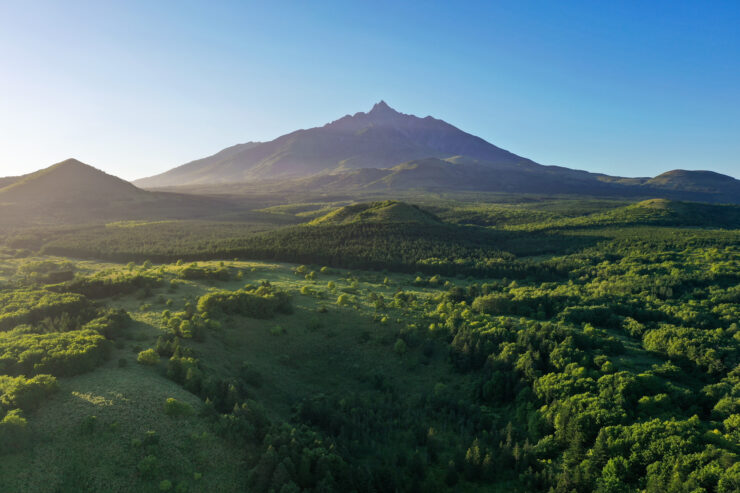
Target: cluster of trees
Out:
[19,395]
[105,285]
[251,301]
[58,353]
[195,272]
[31,306]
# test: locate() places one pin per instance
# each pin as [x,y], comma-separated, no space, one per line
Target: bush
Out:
[400,347]
[23,393]
[147,466]
[262,302]
[173,407]
[148,357]
[58,353]
[13,432]
[88,425]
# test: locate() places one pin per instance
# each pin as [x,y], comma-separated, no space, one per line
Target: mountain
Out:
[385,150]
[381,138]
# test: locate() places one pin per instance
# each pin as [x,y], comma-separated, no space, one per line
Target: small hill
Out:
[700,181]
[69,182]
[72,192]
[389,211]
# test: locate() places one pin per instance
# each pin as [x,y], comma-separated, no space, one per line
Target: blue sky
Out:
[135,88]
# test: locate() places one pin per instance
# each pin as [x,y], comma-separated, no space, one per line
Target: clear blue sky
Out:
[137,87]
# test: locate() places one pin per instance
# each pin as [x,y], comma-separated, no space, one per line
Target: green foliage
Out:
[104,285]
[25,393]
[262,302]
[193,272]
[606,363]
[148,357]
[58,353]
[32,306]
[13,432]
[173,407]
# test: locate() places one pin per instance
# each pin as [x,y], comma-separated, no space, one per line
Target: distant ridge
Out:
[681,179]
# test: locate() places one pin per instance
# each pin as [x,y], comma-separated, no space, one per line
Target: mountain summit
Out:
[380,138]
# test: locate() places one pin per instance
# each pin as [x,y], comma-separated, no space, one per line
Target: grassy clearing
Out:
[70,454]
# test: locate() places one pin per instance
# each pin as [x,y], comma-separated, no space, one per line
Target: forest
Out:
[549,345]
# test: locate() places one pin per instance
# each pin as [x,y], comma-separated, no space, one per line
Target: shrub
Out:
[148,357]
[262,302]
[400,347]
[277,330]
[13,431]
[23,393]
[173,407]
[147,466]
[88,425]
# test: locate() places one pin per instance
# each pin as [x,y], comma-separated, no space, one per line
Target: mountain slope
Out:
[381,138]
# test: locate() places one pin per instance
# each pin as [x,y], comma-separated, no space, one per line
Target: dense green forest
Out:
[456,346]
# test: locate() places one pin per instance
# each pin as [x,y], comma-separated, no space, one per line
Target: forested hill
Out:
[653,212]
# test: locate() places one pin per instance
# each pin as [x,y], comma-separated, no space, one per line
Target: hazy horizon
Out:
[136,89]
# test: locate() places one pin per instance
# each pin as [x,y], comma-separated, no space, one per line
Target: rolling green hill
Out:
[389,211]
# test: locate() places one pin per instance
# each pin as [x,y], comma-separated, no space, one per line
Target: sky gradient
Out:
[136,88]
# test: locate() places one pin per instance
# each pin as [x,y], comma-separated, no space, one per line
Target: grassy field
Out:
[320,348]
